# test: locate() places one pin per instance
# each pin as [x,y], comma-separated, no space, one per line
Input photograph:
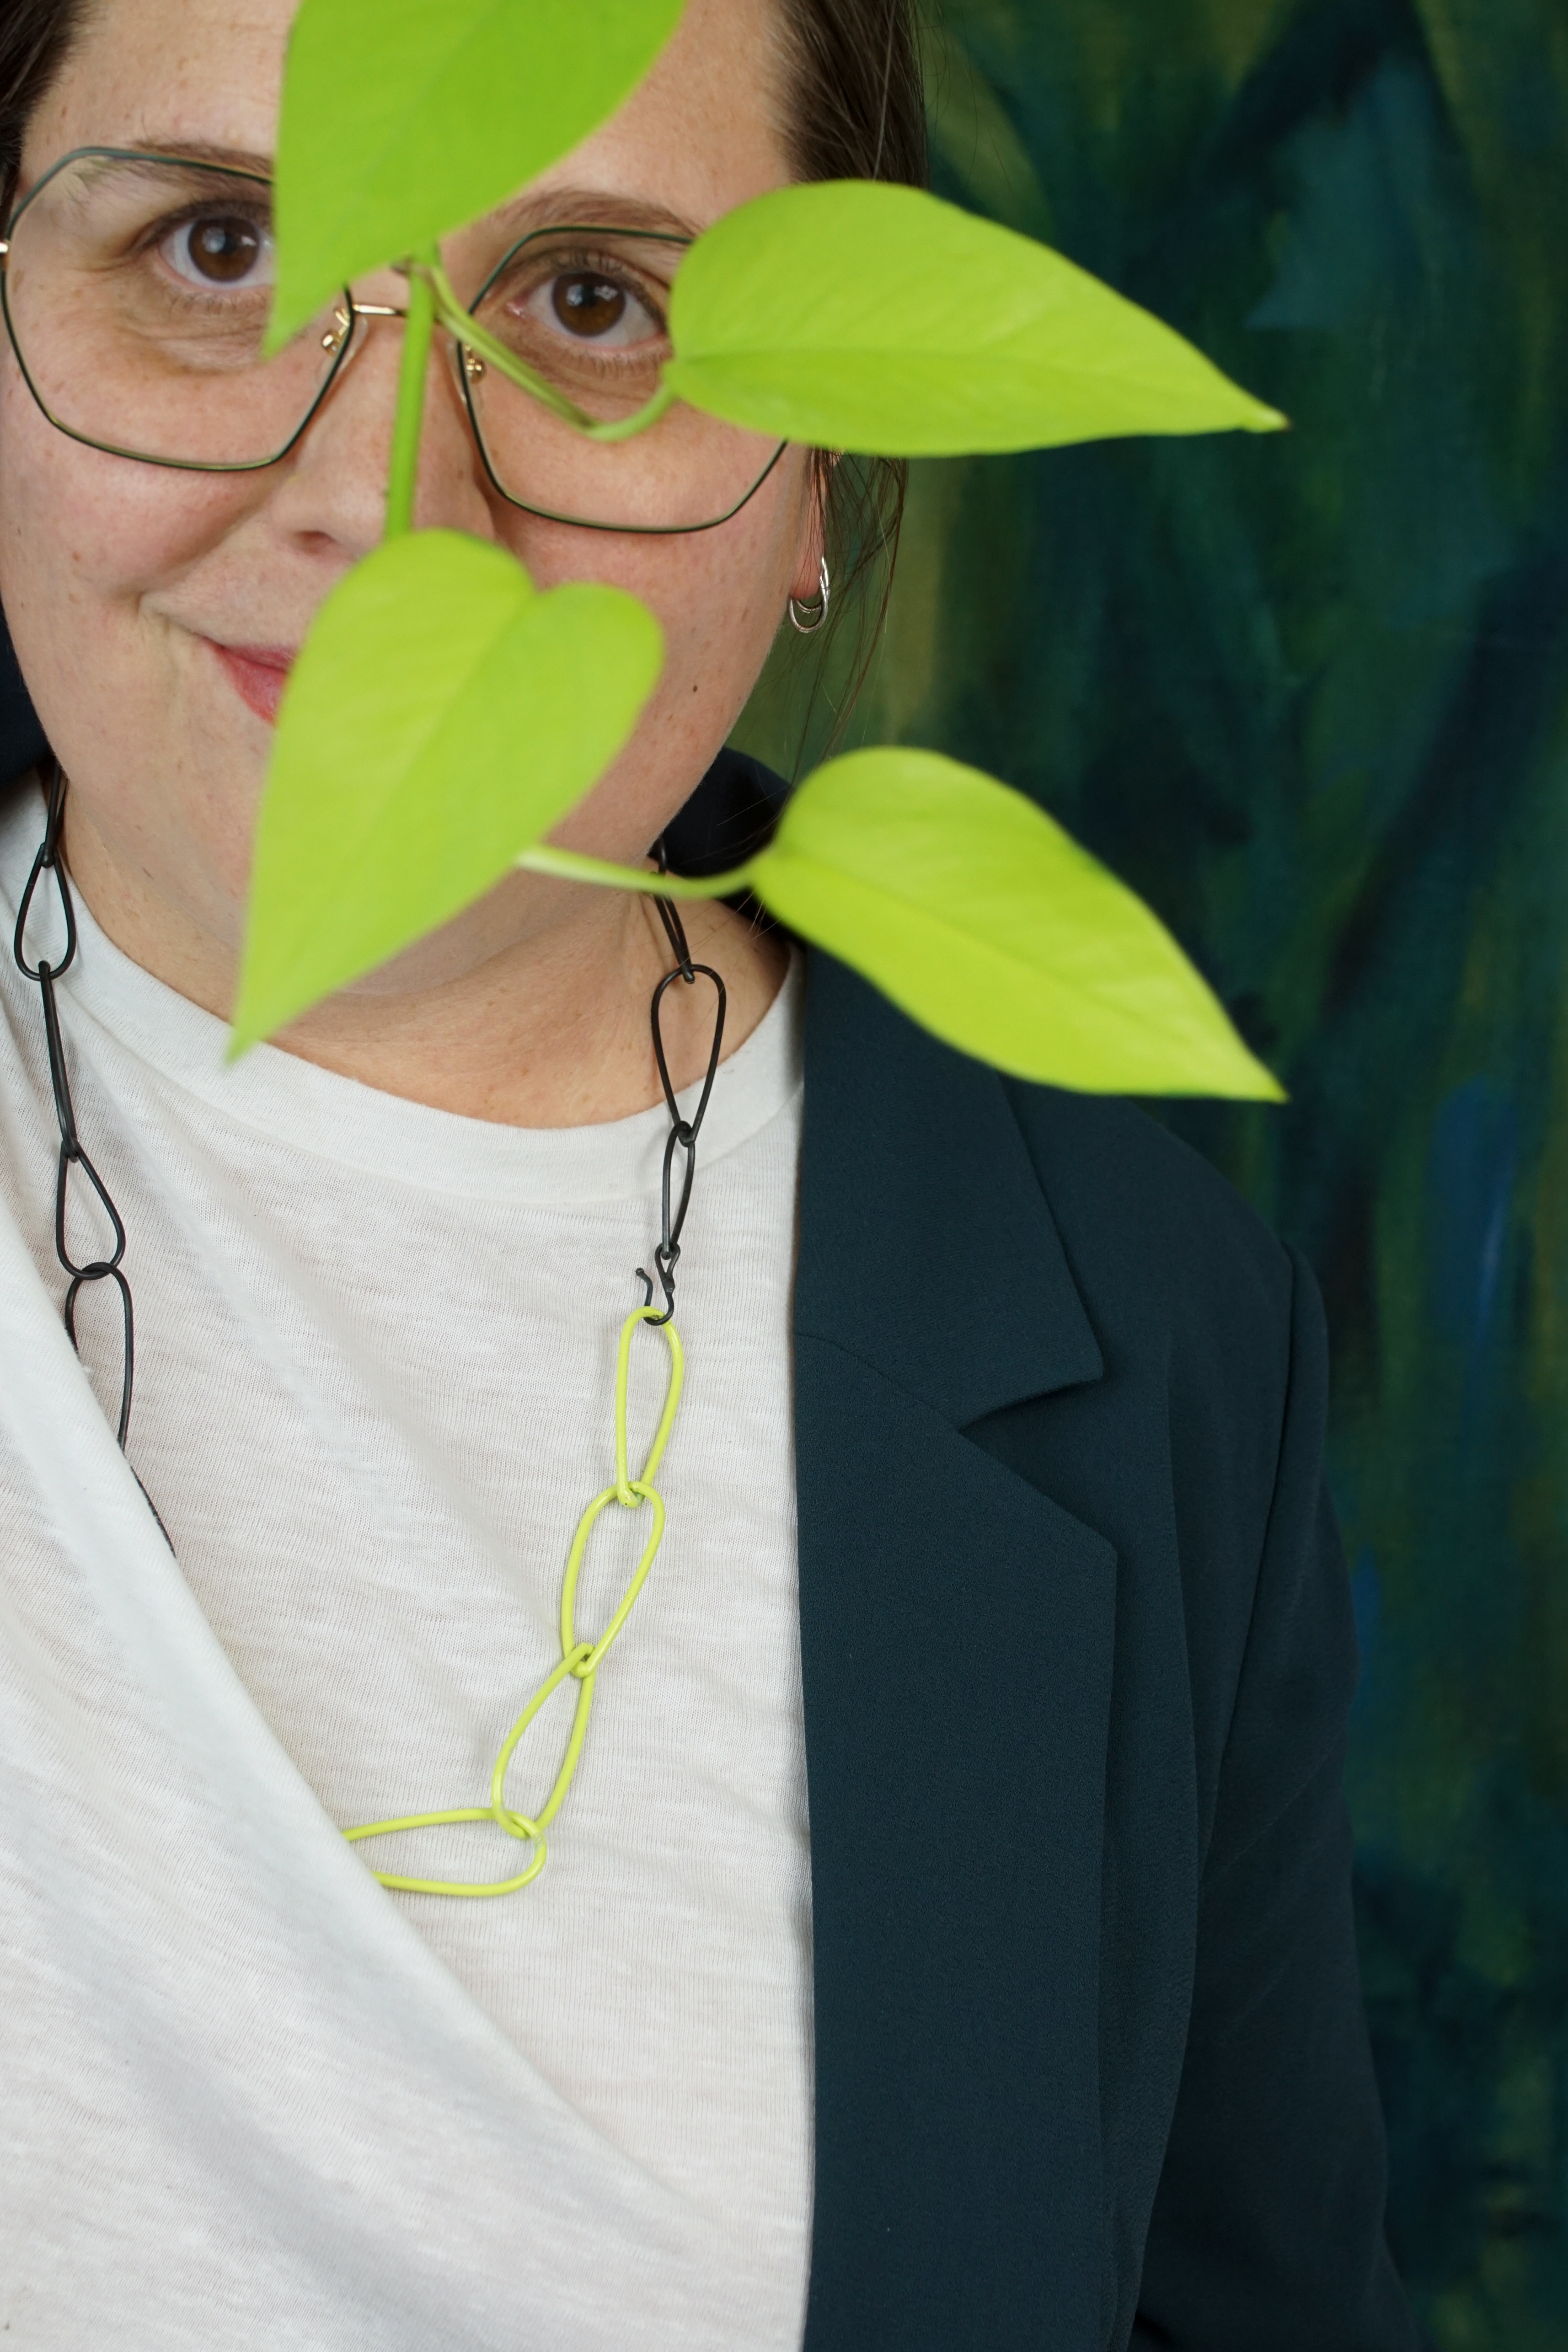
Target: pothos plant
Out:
[847,315]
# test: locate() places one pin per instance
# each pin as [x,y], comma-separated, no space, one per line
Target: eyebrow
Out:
[541,208]
[590,207]
[203,151]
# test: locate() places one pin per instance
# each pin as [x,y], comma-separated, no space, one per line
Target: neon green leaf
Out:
[984,921]
[853,315]
[405,119]
[441,716]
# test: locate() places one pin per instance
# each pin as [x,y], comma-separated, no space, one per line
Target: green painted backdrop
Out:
[1311,696]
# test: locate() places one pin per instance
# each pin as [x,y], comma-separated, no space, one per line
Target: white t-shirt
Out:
[248,2096]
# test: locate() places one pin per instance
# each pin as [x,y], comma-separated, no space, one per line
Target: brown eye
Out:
[587,305]
[222,249]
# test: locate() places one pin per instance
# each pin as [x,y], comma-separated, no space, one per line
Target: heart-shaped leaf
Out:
[863,316]
[979,916]
[405,119]
[441,716]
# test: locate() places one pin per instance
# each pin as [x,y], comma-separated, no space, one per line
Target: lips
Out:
[258,675]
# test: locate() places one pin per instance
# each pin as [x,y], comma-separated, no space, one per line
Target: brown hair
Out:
[35,35]
[854,111]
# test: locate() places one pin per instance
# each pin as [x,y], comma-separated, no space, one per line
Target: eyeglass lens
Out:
[136,290]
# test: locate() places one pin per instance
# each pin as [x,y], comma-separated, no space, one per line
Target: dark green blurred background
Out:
[1309,696]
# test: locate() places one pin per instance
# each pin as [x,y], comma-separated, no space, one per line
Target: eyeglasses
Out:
[136,289]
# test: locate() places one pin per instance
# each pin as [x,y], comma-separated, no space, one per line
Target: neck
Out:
[531,1011]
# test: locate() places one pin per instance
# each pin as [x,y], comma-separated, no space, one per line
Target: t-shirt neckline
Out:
[113,1003]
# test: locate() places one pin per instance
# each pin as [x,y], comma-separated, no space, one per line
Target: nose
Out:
[332,496]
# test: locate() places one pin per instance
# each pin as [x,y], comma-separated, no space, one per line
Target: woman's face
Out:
[154,610]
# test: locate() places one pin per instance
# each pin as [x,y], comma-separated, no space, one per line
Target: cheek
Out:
[84,537]
[718,594]
[88,544]
[87,541]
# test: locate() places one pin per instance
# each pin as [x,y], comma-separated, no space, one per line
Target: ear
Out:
[806,583]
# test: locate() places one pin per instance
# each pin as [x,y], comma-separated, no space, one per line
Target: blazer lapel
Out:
[956,1649]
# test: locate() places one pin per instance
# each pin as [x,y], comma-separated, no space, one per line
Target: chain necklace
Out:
[580,1660]
[72,1155]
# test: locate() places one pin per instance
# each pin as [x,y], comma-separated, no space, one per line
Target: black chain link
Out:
[72,1154]
[683,1135]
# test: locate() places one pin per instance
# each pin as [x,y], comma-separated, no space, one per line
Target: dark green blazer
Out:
[1077,1654]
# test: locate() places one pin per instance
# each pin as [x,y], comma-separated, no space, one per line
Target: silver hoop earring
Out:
[819,614]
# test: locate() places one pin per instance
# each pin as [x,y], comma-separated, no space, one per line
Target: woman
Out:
[995,1499]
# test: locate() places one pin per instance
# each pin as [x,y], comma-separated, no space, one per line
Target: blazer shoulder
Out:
[1069,1234]
[1142,1215]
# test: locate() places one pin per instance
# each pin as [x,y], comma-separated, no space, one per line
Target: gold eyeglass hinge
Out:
[345,319]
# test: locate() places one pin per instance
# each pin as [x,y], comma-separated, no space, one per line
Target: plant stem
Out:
[570,865]
[466,329]
[417,332]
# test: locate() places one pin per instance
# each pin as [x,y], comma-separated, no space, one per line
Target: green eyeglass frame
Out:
[348,312]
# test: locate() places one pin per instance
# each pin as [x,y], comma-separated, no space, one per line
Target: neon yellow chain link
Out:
[580,1660]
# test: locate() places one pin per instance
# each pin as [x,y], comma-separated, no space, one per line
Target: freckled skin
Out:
[116,578]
